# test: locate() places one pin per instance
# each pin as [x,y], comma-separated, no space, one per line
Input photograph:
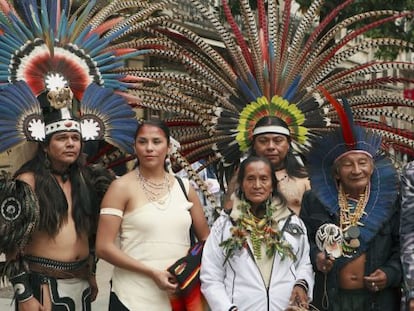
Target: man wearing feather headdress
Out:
[58,89]
[271,139]
[354,187]
[54,267]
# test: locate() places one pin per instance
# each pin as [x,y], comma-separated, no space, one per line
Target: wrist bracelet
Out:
[21,285]
[233,308]
[302,283]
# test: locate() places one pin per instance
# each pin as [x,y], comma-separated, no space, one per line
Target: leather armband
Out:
[21,285]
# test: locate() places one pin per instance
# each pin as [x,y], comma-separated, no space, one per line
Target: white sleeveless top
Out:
[156,235]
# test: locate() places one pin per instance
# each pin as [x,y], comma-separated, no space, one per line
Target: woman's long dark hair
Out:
[52,201]
[290,163]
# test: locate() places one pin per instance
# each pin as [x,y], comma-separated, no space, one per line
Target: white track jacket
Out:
[239,282]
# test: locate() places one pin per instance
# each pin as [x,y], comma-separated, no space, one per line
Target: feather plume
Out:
[343,117]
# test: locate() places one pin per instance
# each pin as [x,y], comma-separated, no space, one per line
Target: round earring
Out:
[168,165]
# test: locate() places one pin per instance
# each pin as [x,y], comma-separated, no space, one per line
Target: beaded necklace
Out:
[154,192]
[350,216]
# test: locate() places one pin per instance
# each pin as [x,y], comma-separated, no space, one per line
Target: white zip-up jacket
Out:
[239,282]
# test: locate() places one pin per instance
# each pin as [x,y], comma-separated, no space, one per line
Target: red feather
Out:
[104,27]
[238,35]
[286,21]
[263,21]
[361,30]
[346,126]
[41,64]
[5,7]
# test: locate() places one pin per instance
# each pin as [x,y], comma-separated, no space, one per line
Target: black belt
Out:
[58,269]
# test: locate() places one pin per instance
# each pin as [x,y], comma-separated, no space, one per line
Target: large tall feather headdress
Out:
[49,46]
[268,62]
[63,69]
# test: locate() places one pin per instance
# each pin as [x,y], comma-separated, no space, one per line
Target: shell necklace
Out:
[350,217]
[155,192]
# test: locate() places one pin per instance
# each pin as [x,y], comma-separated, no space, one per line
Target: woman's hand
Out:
[299,298]
[165,281]
[231,188]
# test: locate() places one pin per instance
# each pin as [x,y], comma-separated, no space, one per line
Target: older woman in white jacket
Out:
[257,256]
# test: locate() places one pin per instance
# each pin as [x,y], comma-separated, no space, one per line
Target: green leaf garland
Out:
[262,231]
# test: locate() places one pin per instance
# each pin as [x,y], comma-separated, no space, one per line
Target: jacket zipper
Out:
[260,273]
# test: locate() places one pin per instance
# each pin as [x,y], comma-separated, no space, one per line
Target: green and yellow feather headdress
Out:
[278,107]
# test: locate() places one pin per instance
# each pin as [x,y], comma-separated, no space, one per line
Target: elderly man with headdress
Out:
[54,92]
[352,217]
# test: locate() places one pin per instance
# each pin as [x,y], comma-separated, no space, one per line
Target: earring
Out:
[168,165]
[47,162]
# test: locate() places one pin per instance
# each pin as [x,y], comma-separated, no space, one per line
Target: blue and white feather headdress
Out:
[47,47]
[330,147]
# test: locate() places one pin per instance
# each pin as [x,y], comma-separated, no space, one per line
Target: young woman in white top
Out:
[149,211]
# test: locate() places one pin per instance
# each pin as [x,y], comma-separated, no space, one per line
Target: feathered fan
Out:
[50,44]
